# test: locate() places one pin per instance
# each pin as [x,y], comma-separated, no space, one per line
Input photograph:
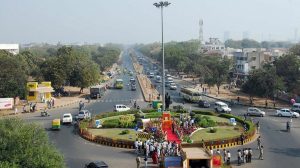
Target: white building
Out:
[12,48]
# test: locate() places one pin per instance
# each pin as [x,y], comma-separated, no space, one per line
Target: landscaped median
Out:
[214,130]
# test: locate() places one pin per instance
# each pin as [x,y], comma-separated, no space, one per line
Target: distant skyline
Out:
[138,21]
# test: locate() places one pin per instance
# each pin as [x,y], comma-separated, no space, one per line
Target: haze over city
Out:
[138,21]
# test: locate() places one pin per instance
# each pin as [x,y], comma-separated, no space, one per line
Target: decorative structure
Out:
[39,92]
[166,121]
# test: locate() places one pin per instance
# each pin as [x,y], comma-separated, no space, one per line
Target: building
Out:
[251,58]
[214,46]
[39,92]
[12,48]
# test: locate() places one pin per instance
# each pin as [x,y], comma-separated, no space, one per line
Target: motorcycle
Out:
[44,114]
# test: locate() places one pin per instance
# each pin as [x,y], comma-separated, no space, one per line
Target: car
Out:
[132,80]
[151,75]
[222,107]
[121,107]
[84,114]
[172,86]
[168,75]
[96,164]
[133,86]
[252,111]
[203,103]
[296,107]
[67,118]
[286,113]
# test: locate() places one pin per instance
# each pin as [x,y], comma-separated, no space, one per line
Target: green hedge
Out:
[113,123]
[111,114]
[250,126]
[204,112]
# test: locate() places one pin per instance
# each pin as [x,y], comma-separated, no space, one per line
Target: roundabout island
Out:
[175,138]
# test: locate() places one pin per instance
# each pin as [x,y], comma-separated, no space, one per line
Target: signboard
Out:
[6,103]
[98,123]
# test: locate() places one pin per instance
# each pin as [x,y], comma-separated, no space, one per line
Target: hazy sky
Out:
[138,21]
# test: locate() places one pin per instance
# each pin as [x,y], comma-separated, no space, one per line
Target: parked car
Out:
[97,164]
[121,107]
[84,114]
[151,75]
[296,107]
[252,111]
[203,103]
[172,86]
[286,113]
[67,118]
[222,107]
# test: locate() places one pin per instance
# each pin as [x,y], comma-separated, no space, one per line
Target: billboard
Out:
[6,103]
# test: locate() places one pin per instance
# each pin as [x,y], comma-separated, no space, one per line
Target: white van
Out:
[222,107]
[296,107]
[121,107]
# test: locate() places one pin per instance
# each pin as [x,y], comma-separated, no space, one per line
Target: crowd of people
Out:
[154,149]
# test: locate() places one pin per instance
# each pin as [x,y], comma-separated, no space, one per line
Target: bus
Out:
[191,95]
[119,84]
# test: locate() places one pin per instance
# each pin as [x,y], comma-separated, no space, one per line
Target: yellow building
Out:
[39,92]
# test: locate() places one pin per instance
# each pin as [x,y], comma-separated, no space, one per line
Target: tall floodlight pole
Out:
[161,5]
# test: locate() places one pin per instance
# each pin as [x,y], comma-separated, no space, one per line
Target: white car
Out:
[121,107]
[67,118]
[222,107]
[286,113]
[84,114]
[252,111]
[173,86]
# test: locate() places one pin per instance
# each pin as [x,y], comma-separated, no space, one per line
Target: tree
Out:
[26,145]
[13,76]
[288,67]
[263,82]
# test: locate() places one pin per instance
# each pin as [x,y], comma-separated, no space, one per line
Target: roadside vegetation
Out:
[280,76]
[78,66]
[26,145]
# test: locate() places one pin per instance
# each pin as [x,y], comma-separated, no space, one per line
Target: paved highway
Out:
[281,148]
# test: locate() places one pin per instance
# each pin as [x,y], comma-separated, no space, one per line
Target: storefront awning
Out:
[42,90]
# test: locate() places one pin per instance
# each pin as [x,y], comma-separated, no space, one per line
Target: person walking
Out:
[228,157]
[224,155]
[258,142]
[138,162]
[246,156]
[239,157]
[136,146]
[257,127]
[242,138]
[249,155]
[261,152]
[16,110]
[146,161]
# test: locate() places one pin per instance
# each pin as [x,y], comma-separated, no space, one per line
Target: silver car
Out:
[252,111]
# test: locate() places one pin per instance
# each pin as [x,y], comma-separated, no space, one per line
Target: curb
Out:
[104,140]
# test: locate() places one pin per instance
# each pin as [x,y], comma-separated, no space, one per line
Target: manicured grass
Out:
[114,133]
[216,119]
[113,117]
[222,133]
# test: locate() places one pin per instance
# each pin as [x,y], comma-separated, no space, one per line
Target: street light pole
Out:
[161,5]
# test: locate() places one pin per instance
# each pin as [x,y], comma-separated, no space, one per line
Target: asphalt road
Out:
[282,149]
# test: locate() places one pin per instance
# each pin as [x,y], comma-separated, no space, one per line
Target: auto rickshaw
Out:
[56,124]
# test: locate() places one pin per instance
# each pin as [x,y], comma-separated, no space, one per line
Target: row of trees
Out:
[248,43]
[185,57]
[281,75]
[78,66]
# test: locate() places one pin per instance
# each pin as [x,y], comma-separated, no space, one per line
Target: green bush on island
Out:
[212,130]
[204,112]
[204,121]
[126,121]
[113,123]
[124,132]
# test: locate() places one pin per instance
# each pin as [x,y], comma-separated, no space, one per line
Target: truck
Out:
[97,91]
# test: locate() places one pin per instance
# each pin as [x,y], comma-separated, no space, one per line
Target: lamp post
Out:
[161,5]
